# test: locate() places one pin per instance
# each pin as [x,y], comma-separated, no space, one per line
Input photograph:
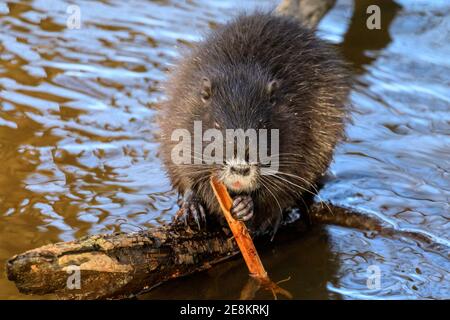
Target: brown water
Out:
[78,153]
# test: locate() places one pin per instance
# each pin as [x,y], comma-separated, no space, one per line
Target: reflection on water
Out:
[78,152]
[355,45]
[317,268]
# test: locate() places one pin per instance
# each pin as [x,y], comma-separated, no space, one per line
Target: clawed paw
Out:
[242,208]
[191,212]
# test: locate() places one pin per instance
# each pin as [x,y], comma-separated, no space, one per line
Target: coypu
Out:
[258,71]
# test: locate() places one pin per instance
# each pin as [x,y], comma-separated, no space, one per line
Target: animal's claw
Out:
[191,211]
[242,208]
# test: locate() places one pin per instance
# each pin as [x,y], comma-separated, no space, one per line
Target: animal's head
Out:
[239,104]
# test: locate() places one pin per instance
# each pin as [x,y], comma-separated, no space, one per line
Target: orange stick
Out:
[240,232]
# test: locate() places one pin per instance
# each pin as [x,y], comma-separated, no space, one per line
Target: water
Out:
[79,156]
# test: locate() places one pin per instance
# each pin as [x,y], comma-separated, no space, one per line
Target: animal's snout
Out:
[240,176]
[243,171]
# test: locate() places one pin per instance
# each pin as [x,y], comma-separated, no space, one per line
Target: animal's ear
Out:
[206,89]
[272,87]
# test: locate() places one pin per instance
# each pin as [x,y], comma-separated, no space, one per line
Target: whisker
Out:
[283,188]
[298,186]
[273,195]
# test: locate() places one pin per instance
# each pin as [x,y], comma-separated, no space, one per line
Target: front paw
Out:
[191,211]
[242,208]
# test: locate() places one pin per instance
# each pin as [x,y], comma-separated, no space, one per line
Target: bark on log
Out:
[123,265]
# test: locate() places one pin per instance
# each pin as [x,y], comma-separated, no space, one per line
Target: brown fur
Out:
[308,107]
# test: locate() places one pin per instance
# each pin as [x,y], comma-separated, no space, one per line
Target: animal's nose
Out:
[243,171]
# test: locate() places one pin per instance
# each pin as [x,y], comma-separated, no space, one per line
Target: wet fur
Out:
[308,107]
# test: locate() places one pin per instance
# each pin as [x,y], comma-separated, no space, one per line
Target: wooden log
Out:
[117,265]
[123,265]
